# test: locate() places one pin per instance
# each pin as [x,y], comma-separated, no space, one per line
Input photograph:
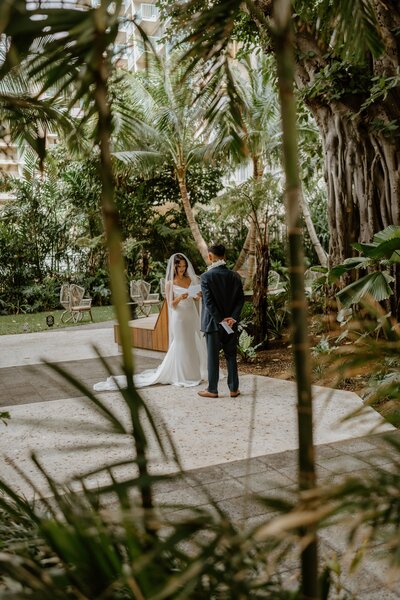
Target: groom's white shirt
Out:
[217,263]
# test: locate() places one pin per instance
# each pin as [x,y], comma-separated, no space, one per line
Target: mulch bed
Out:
[277,361]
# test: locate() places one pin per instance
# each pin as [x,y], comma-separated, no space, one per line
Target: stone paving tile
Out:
[266,481]
[39,383]
[257,520]
[170,485]
[280,459]
[206,475]
[330,478]
[239,468]
[379,440]
[221,490]
[376,458]
[353,446]
[185,496]
[379,567]
[327,451]
[184,514]
[380,594]
[289,472]
[362,582]
[342,464]
[244,507]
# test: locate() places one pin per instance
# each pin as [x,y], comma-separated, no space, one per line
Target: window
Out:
[148,12]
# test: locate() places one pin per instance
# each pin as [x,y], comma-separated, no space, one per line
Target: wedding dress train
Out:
[185,363]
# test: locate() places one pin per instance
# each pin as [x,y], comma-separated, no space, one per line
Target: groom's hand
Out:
[230,321]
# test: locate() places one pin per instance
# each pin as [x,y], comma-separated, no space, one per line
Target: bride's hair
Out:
[177,260]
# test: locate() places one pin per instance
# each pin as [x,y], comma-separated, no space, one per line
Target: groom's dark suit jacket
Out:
[222,297]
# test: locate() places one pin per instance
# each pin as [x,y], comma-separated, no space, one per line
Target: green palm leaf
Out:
[376,285]
[359,262]
[350,27]
[393,231]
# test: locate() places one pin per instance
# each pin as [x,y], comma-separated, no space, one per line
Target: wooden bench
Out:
[149,332]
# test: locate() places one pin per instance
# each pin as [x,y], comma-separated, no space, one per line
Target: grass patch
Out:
[28,323]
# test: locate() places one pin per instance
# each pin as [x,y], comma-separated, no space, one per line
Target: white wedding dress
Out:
[185,363]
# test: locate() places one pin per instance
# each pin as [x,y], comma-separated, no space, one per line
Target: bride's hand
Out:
[199,295]
[183,296]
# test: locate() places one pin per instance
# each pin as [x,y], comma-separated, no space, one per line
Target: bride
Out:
[185,363]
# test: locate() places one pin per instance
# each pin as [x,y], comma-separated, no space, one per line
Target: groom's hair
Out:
[217,250]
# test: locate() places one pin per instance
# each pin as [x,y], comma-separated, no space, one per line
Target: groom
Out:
[223,299]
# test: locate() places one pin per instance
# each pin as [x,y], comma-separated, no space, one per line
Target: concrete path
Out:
[213,437]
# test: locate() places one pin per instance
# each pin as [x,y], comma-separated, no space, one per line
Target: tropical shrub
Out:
[379,257]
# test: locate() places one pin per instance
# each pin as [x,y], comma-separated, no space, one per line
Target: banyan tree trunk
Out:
[360,137]
[362,172]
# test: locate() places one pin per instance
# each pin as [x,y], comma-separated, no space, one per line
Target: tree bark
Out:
[194,228]
[260,286]
[361,142]
[245,248]
[320,252]
[252,256]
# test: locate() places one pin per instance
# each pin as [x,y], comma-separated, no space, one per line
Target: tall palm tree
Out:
[254,79]
[173,129]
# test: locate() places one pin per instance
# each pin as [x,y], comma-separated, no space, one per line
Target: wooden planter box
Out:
[150,332]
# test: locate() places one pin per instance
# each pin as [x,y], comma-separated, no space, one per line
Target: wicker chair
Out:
[273,281]
[162,287]
[309,278]
[74,304]
[142,297]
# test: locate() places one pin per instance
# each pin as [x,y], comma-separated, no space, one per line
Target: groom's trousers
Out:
[216,340]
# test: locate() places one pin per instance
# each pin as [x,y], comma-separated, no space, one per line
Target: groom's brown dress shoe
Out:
[235,394]
[207,394]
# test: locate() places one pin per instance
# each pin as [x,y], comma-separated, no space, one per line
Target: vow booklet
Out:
[193,290]
[226,327]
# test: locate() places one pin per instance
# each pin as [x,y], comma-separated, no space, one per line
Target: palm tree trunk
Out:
[245,248]
[260,286]
[251,264]
[285,58]
[194,228]
[249,246]
[322,255]
[116,262]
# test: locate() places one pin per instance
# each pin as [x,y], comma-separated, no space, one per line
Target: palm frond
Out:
[351,28]
[376,285]
[145,160]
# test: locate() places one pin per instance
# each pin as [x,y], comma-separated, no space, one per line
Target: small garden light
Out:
[50,320]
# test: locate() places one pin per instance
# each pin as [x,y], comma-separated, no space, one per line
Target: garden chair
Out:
[309,278]
[142,297]
[75,305]
[162,287]
[274,283]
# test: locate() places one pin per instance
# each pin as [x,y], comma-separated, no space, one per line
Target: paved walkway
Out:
[214,438]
